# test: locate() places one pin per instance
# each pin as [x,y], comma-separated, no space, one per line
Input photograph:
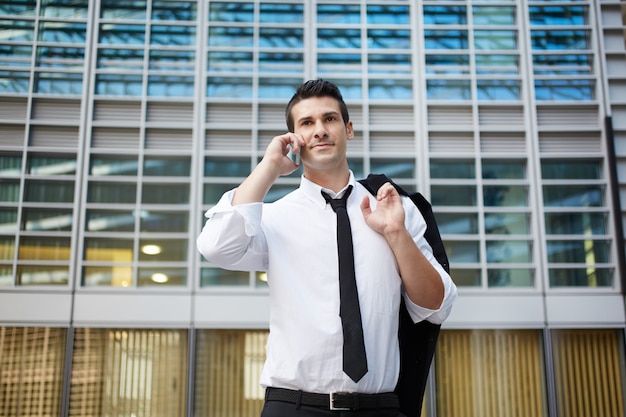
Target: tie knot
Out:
[336,203]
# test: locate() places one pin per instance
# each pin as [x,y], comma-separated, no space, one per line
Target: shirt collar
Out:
[314,191]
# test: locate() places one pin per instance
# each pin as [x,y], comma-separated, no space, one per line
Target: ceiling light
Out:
[159,278]
[151,249]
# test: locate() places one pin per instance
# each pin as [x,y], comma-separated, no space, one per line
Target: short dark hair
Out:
[316,88]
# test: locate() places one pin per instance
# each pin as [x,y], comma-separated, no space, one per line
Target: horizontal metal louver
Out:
[54,136]
[117,110]
[11,135]
[570,142]
[568,117]
[170,112]
[392,142]
[13,109]
[391,115]
[451,142]
[270,114]
[450,116]
[228,140]
[503,142]
[356,115]
[229,113]
[112,138]
[56,110]
[168,139]
[501,116]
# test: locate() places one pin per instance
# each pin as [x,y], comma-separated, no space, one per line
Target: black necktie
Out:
[354,360]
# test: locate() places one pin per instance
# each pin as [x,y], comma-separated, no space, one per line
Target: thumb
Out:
[365,206]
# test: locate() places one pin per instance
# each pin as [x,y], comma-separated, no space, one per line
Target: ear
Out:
[349,130]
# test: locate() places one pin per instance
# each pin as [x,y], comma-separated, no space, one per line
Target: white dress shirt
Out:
[294,240]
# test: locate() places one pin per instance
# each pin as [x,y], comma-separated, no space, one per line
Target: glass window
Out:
[111,192]
[229,87]
[163,250]
[108,250]
[564,90]
[389,64]
[231,12]
[505,195]
[63,32]
[123,34]
[131,59]
[17,30]
[174,10]
[339,38]
[18,8]
[509,251]
[573,195]
[7,248]
[503,169]
[382,14]
[493,15]
[210,277]
[292,62]
[507,223]
[110,221]
[119,84]
[390,89]
[110,276]
[554,15]
[58,83]
[127,10]
[574,64]
[161,276]
[388,39]
[44,248]
[14,82]
[339,63]
[167,167]
[460,251]
[445,15]
[9,190]
[42,275]
[172,35]
[510,277]
[457,223]
[281,13]
[448,90]
[571,170]
[452,169]
[213,192]
[281,37]
[581,277]
[10,165]
[172,60]
[60,57]
[447,64]
[394,168]
[226,167]
[445,39]
[113,165]
[76,9]
[453,195]
[559,40]
[170,86]
[45,219]
[16,55]
[8,221]
[587,251]
[230,62]
[165,193]
[233,37]
[338,14]
[576,223]
[466,277]
[495,39]
[44,191]
[278,87]
[164,221]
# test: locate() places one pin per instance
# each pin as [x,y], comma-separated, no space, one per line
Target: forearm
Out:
[421,280]
[255,187]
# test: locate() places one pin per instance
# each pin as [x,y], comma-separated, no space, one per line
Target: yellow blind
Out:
[588,372]
[31,371]
[489,373]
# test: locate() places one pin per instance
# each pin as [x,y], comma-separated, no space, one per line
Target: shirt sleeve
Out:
[232,237]
[417,226]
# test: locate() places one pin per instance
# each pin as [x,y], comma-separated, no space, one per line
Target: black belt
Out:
[334,400]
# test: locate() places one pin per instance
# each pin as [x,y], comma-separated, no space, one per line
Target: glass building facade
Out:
[121,123]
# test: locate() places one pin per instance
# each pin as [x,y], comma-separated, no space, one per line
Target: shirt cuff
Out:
[419,313]
[251,212]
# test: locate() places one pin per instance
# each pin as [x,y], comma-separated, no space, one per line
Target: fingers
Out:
[290,138]
[386,190]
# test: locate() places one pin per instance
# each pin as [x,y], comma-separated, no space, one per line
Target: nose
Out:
[320,130]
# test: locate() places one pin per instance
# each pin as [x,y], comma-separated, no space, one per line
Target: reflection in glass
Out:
[213,192]
[220,277]
[462,251]
[445,39]
[110,221]
[162,250]
[507,223]
[338,14]
[558,15]
[7,248]
[383,14]
[58,83]
[388,39]
[112,192]
[48,248]
[498,90]
[119,84]
[60,57]
[63,32]
[281,37]
[113,165]
[457,223]
[464,277]
[390,89]
[570,169]
[576,223]
[229,87]
[452,169]
[231,12]
[495,39]
[508,251]
[226,167]
[108,249]
[447,64]
[564,90]
[281,62]
[499,169]
[581,277]
[505,195]
[42,275]
[445,15]
[122,34]
[172,60]
[49,191]
[448,89]
[510,277]
[165,193]
[172,35]
[9,190]
[113,9]
[493,15]
[281,13]
[339,38]
[559,40]
[130,59]
[394,168]
[51,165]
[170,86]
[230,61]
[487,64]
[14,81]
[161,276]
[232,37]
[10,165]
[453,195]
[6,272]
[112,276]
[573,195]
[273,87]
[587,251]
[174,10]
[38,219]
[164,221]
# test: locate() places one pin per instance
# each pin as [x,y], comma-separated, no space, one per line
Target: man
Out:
[295,240]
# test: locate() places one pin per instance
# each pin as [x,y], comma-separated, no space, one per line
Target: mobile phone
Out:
[295,157]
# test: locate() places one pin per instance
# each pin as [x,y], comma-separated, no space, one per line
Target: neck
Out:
[332,180]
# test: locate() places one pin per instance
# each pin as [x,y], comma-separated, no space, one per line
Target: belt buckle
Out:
[332,402]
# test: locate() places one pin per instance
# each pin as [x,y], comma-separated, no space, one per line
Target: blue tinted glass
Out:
[387,38]
[452,169]
[16,55]
[63,32]
[340,63]
[493,15]
[498,90]
[389,64]
[445,39]
[387,14]
[394,168]
[170,86]
[457,223]
[563,223]
[59,83]
[510,277]
[60,57]
[278,87]
[21,8]
[172,35]
[229,61]
[229,87]
[503,169]
[562,64]
[390,89]
[231,12]
[172,60]
[462,251]
[281,62]
[571,169]
[508,251]
[338,14]
[281,13]
[118,84]
[550,40]
[497,64]
[14,82]
[505,196]
[281,38]
[495,39]
[16,30]
[234,37]
[445,15]
[174,10]
[507,223]
[557,15]
[585,251]
[122,34]
[564,90]
[453,195]
[338,38]
[74,9]
[448,90]
[447,64]
[573,195]
[581,277]
[115,9]
[126,59]
[226,167]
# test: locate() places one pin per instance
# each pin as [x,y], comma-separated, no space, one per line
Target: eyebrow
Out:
[326,114]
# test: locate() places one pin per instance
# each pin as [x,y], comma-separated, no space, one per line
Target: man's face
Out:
[318,120]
